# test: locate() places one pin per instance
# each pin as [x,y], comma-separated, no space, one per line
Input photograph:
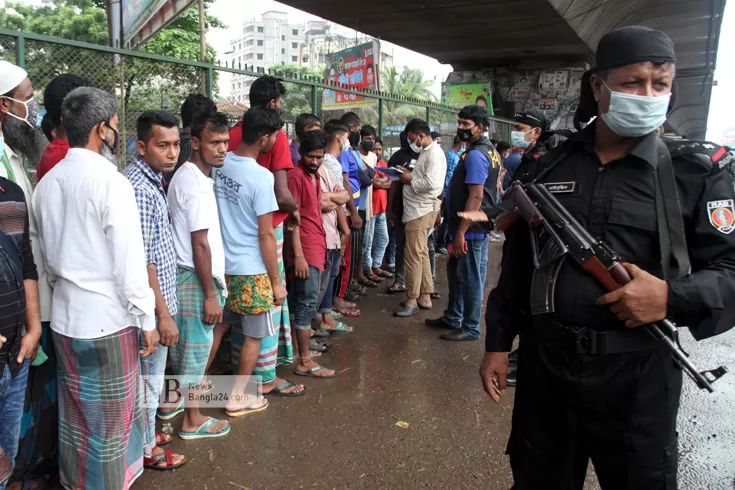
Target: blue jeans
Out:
[367,244]
[466,277]
[152,368]
[12,402]
[302,298]
[328,275]
[375,259]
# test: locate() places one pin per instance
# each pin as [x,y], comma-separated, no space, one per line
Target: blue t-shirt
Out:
[348,160]
[477,168]
[511,164]
[244,191]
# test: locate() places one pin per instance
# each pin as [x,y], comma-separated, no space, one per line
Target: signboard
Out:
[143,19]
[554,81]
[459,94]
[355,68]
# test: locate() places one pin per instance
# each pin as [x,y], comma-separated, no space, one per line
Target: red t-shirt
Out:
[307,191]
[278,158]
[53,154]
[380,196]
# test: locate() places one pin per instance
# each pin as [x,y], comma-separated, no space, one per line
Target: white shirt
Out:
[89,227]
[21,178]
[420,197]
[193,207]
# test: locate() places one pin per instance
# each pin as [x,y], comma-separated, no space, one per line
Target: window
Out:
[260,30]
[283,37]
[260,43]
[295,59]
[250,29]
[260,56]
[283,51]
[294,45]
[249,42]
[240,47]
[295,32]
[249,56]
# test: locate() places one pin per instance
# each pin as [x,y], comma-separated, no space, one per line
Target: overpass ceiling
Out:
[478,34]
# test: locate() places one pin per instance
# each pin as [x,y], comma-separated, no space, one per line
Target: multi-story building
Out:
[271,40]
[323,39]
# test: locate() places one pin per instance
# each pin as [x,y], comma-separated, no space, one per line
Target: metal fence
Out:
[142,81]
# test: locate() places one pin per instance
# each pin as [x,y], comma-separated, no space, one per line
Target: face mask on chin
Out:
[633,116]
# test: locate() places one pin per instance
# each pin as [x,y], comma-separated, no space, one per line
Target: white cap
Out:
[10,76]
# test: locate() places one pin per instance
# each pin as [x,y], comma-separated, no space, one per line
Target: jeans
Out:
[326,283]
[303,297]
[391,252]
[367,244]
[12,402]
[466,277]
[374,257]
[442,238]
[432,256]
[400,252]
[152,368]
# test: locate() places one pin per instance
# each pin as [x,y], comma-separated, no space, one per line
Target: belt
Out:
[587,341]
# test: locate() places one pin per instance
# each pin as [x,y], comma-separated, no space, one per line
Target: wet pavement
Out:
[343,432]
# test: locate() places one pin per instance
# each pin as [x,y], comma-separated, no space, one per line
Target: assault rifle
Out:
[568,238]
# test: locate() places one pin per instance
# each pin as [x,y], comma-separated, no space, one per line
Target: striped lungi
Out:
[277,349]
[190,354]
[101,418]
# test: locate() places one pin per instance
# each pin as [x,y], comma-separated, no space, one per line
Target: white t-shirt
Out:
[193,207]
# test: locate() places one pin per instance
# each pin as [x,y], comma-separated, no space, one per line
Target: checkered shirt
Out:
[155,222]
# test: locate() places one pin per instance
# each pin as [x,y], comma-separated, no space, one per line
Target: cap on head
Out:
[533,118]
[10,76]
[633,44]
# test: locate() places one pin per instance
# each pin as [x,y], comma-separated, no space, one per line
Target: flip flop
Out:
[316,346]
[396,288]
[341,328]
[385,274]
[246,410]
[163,437]
[166,456]
[201,432]
[349,312]
[171,415]
[280,391]
[310,373]
[435,295]
[336,315]
[352,296]
[368,283]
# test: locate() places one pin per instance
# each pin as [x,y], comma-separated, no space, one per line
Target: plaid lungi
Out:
[190,354]
[277,349]
[101,418]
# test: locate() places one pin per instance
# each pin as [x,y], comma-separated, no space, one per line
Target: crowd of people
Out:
[121,278]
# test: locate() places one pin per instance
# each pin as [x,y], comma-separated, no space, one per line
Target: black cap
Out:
[633,44]
[533,118]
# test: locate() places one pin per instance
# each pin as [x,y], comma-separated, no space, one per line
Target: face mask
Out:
[518,139]
[346,146]
[32,110]
[354,139]
[115,142]
[415,147]
[464,134]
[633,116]
[368,145]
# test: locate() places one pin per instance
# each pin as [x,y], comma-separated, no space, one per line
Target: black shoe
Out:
[513,358]
[440,323]
[510,379]
[458,335]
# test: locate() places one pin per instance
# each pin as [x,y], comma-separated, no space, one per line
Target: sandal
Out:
[359,287]
[349,312]
[280,391]
[310,372]
[436,295]
[368,283]
[396,287]
[171,415]
[201,432]
[247,409]
[385,274]
[340,328]
[163,440]
[352,296]
[167,457]
[370,276]
[319,347]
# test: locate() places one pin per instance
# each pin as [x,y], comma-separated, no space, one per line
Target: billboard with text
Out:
[355,68]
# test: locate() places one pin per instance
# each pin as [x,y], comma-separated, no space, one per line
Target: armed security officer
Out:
[613,397]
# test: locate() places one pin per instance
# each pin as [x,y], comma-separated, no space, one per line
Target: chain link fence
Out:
[141,82]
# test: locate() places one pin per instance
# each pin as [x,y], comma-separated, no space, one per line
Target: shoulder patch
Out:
[722,215]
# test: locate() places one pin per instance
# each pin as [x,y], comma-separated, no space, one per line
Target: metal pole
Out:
[210,82]
[20,50]
[428,115]
[203,47]
[314,101]
[121,119]
[380,118]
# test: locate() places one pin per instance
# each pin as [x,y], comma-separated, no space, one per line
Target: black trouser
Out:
[618,410]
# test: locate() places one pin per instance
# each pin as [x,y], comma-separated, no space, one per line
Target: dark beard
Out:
[29,142]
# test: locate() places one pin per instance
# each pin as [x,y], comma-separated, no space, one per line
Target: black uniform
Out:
[617,409]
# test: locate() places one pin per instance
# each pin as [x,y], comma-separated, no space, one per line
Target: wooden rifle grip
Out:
[507,219]
[595,268]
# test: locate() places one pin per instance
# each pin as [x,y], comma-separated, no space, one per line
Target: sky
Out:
[722,104]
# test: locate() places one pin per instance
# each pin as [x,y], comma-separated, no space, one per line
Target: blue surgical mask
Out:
[633,116]
[518,139]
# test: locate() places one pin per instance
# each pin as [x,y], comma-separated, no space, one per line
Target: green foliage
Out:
[409,83]
[148,84]
[298,96]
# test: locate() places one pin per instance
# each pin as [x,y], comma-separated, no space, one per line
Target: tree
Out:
[148,84]
[410,83]
[298,96]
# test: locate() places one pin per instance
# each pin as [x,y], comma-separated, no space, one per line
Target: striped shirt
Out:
[155,222]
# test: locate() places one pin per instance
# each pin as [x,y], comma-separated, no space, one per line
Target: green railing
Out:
[142,81]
